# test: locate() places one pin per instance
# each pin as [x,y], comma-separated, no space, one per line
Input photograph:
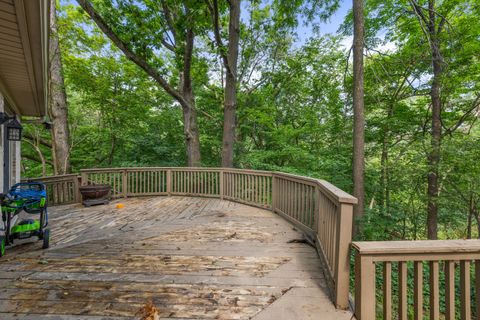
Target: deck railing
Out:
[322,211]
[61,189]
[411,257]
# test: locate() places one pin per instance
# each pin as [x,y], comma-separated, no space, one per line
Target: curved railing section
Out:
[322,211]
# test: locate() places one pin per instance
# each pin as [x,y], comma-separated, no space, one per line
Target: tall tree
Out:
[434,27]
[436,36]
[177,37]
[358,109]
[58,108]
[229,57]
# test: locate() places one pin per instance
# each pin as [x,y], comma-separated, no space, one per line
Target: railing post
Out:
[124,182]
[364,287]
[169,182]
[221,191]
[84,178]
[342,250]
[76,189]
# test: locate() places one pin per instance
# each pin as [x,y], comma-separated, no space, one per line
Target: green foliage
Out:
[294,112]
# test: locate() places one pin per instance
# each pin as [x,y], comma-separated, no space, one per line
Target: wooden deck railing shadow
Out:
[322,211]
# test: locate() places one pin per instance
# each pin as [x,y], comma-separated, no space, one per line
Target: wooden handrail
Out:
[61,189]
[322,211]
[446,255]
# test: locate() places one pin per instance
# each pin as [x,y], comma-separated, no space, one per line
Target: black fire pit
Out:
[94,194]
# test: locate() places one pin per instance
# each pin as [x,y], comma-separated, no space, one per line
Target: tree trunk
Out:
[385,165]
[470,216]
[191,131]
[58,109]
[190,127]
[184,95]
[436,135]
[358,109]
[230,100]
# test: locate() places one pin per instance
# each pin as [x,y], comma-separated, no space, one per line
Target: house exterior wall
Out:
[2,160]
[10,159]
[16,165]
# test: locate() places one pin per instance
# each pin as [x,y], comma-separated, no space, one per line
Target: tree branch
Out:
[43,142]
[168,18]
[87,6]
[216,31]
[475,105]
[32,158]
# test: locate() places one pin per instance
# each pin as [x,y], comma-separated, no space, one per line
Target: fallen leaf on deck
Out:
[149,312]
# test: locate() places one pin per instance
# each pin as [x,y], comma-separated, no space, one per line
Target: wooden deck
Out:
[195,258]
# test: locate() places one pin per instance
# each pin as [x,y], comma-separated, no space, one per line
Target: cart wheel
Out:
[2,246]
[46,239]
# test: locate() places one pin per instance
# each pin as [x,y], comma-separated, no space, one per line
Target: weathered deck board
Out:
[194,258]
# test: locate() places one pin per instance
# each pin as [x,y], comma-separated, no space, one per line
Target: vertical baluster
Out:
[227,182]
[255,188]
[198,182]
[287,197]
[238,187]
[303,206]
[242,188]
[135,183]
[192,182]
[231,178]
[308,208]
[298,200]
[465,307]
[142,181]
[402,290]
[226,177]
[185,181]
[327,229]
[387,290]
[114,192]
[281,194]
[312,202]
[149,181]
[269,190]
[252,187]
[178,185]
[290,197]
[209,182]
[181,181]
[234,185]
[434,293]
[418,290]
[449,290]
[294,200]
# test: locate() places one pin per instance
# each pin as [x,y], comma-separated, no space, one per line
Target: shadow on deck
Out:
[195,258]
